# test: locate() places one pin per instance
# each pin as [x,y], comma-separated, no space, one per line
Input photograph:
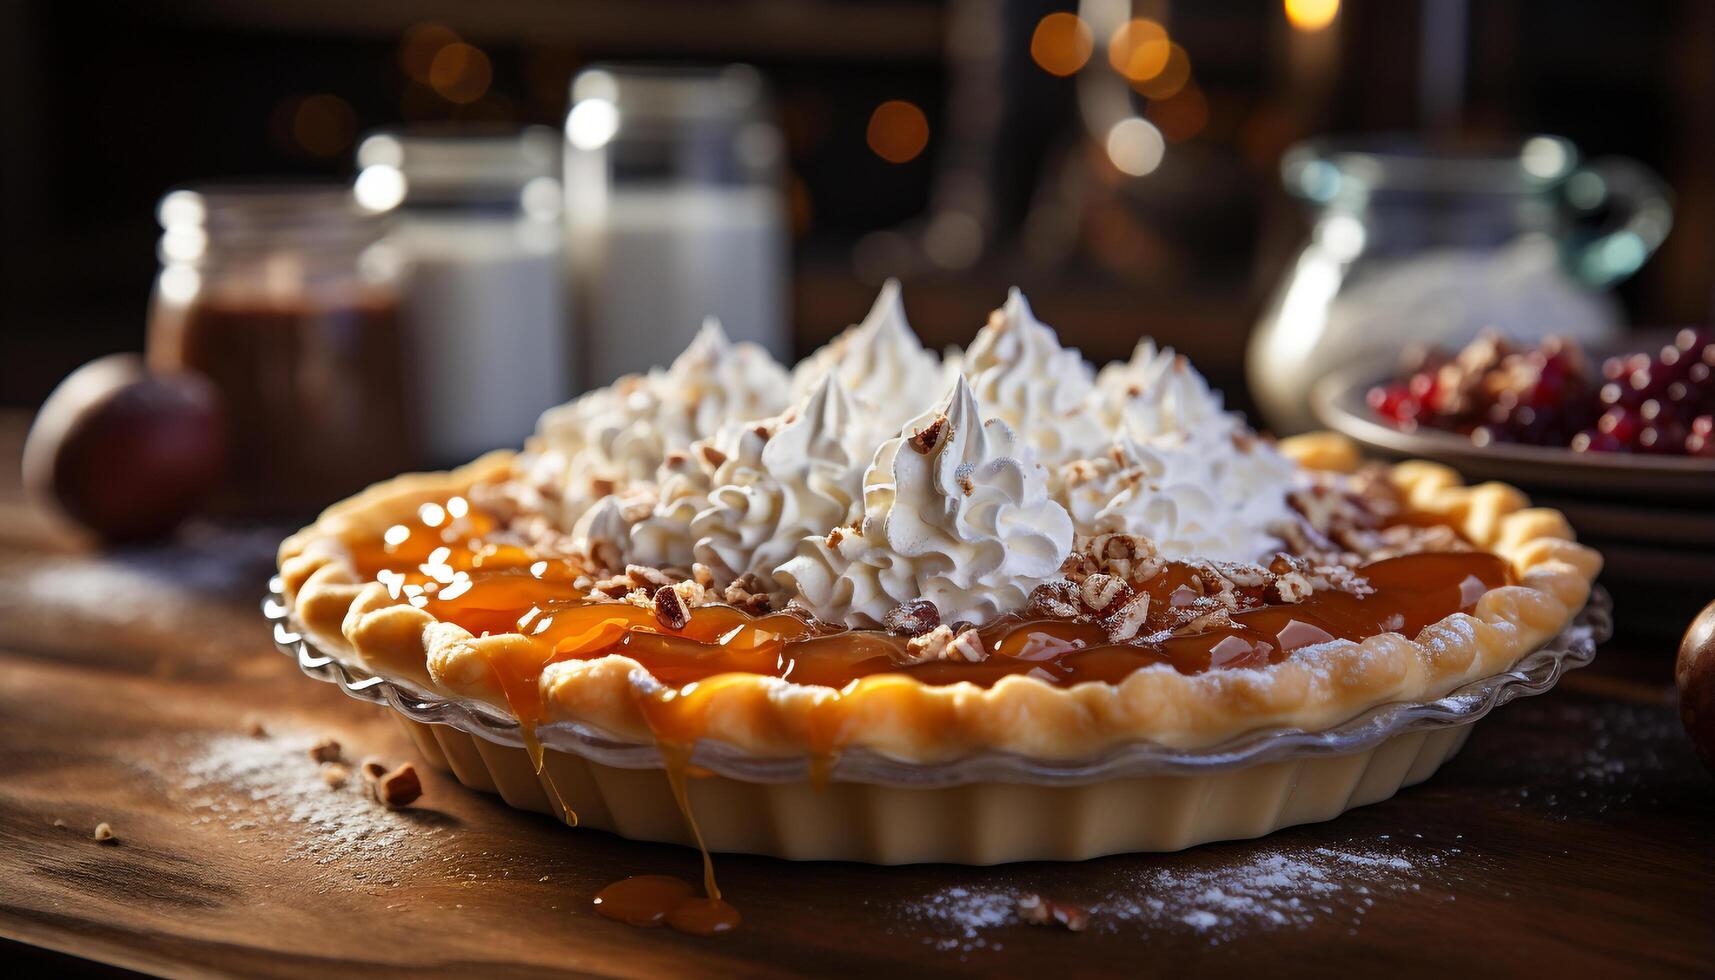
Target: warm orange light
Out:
[1061,44]
[1139,49]
[898,131]
[324,125]
[460,73]
[1172,77]
[417,49]
[1182,116]
[1311,15]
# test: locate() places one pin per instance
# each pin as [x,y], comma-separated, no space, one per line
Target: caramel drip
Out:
[653,900]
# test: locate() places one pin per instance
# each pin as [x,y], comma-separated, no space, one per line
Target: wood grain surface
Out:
[1572,835]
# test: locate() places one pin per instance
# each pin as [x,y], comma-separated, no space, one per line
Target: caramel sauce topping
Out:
[487,588]
[444,564]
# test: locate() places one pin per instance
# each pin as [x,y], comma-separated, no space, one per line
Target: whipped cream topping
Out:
[1158,393]
[1172,492]
[805,479]
[621,434]
[955,511]
[884,368]
[860,496]
[1020,372]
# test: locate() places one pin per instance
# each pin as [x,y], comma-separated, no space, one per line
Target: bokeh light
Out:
[1139,49]
[1166,83]
[417,49]
[324,125]
[1311,15]
[460,73]
[1135,146]
[1182,116]
[379,188]
[1061,44]
[898,131]
[592,123]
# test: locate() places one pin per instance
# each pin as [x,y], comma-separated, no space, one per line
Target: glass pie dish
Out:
[985,808]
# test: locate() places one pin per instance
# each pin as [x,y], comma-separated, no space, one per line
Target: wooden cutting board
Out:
[1572,835]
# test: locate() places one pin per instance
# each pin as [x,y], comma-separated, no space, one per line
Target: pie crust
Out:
[900,717]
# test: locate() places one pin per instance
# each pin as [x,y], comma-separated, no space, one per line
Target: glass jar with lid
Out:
[1415,243]
[473,214]
[279,294]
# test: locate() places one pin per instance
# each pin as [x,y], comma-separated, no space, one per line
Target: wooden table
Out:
[1572,835]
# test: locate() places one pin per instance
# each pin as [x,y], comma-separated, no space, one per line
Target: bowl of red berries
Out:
[1622,444]
[1547,415]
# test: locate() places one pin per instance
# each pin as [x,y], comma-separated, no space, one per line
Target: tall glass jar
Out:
[278,294]
[675,212]
[474,216]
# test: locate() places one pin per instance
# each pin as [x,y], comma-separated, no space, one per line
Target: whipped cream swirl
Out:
[1019,371]
[1170,492]
[955,511]
[1158,393]
[884,368]
[621,434]
[804,479]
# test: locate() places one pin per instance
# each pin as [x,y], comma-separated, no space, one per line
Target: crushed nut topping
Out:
[1349,520]
[335,775]
[104,833]
[925,440]
[325,750]
[912,618]
[392,788]
[959,641]
[1120,583]
[670,609]
[1035,910]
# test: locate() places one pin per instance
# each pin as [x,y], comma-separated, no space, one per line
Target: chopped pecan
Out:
[1035,910]
[1123,623]
[1099,590]
[1293,587]
[925,440]
[325,750]
[913,618]
[392,788]
[642,575]
[670,609]
[1055,600]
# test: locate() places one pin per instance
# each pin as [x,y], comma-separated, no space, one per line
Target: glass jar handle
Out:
[1642,213]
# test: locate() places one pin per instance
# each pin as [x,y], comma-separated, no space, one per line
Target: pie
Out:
[929,558]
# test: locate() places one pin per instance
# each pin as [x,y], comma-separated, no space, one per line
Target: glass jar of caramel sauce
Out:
[285,298]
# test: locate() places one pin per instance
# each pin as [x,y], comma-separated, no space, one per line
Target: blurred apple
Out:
[125,453]
[1696,678]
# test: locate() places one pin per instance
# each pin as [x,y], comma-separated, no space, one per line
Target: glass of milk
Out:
[673,212]
[475,221]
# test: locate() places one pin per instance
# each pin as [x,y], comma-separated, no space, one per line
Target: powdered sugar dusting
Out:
[257,783]
[1262,889]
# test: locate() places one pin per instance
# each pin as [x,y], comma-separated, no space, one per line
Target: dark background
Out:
[109,105]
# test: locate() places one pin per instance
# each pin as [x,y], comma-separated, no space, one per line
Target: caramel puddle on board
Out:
[650,900]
